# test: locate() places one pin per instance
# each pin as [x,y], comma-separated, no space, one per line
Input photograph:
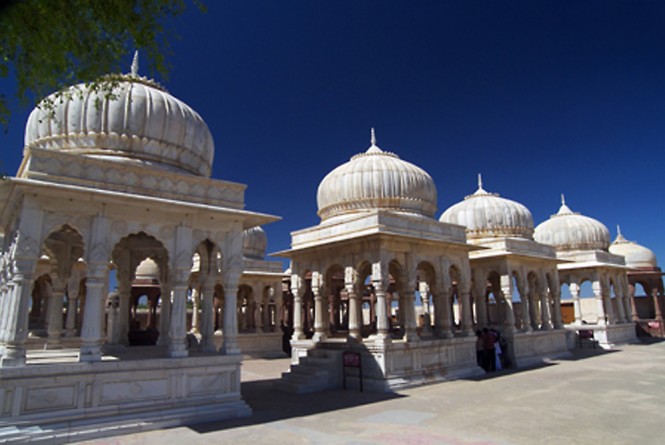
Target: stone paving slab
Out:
[596,397]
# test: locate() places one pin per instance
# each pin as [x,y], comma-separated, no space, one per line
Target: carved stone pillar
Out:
[73,288]
[618,300]
[479,287]
[525,299]
[577,304]
[507,300]
[627,306]
[600,306]
[91,331]
[351,283]
[178,326]
[257,299]
[556,305]
[443,315]
[379,280]
[467,316]
[121,336]
[319,333]
[230,342]
[196,303]
[408,293]
[164,312]
[55,314]
[545,317]
[297,289]
[633,307]
[15,300]
[207,317]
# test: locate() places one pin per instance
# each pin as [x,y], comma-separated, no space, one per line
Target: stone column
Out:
[230,342]
[207,317]
[178,326]
[257,297]
[467,319]
[121,336]
[91,331]
[525,299]
[507,300]
[444,315]
[577,305]
[164,312]
[73,287]
[408,291]
[55,303]
[379,280]
[14,301]
[618,300]
[600,307]
[556,304]
[607,299]
[297,289]
[479,286]
[350,283]
[196,302]
[319,333]
[545,318]
[633,306]
[627,306]
[657,308]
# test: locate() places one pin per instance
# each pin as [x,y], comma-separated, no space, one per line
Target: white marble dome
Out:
[635,254]
[147,270]
[568,230]
[487,214]
[376,179]
[141,123]
[254,243]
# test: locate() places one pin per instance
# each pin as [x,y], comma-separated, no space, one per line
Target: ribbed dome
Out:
[488,215]
[147,270]
[568,230]
[635,254]
[141,123]
[254,243]
[376,180]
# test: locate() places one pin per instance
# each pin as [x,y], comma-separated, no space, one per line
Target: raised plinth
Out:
[64,396]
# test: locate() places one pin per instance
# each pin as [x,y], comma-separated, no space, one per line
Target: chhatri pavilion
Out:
[117,189]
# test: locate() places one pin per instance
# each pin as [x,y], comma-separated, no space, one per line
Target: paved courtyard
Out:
[596,397]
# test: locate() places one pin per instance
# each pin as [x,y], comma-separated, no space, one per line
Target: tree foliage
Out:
[50,44]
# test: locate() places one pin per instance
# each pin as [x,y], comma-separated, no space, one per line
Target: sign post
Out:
[352,360]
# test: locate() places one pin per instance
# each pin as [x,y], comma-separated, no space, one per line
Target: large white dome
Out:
[487,214]
[635,254]
[140,123]
[568,230]
[254,243]
[376,179]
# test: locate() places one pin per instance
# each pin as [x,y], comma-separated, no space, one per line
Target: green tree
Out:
[50,44]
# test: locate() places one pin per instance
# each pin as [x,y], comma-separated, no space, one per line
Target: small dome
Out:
[140,123]
[635,254]
[568,230]
[376,180]
[254,243]
[486,214]
[147,270]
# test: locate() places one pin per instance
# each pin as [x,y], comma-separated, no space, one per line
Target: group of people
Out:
[490,348]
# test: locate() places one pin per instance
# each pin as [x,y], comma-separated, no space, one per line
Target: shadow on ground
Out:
[270,405]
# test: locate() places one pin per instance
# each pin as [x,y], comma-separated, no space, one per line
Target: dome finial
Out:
[135,64]
[373,138]
[480,181]
[618,231]
[563,199]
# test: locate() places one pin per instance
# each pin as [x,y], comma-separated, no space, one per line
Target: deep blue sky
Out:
[541,97]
